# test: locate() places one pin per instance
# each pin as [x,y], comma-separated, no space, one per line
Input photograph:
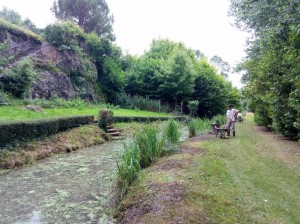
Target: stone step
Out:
[110,130]
[115,134]
[117,137]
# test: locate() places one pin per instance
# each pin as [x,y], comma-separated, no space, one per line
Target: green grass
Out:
[249,178]
[17,113]
[245,183]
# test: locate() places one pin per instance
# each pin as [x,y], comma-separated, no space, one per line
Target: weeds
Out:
[172,132]
[56,102]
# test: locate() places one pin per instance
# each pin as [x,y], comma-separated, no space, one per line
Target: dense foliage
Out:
[272,65]
[91,15]
[171,72]
[168,75]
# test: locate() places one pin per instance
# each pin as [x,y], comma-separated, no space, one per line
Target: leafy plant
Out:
[18,81]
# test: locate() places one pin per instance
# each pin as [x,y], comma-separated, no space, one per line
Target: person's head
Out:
[229,107]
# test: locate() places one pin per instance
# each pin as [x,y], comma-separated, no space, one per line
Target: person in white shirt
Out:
[231,118]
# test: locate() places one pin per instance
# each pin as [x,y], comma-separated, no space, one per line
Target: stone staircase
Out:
[114,133]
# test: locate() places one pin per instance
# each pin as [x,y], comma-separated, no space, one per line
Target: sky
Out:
[200,24]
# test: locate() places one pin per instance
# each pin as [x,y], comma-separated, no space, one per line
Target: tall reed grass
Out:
[198,126]
[129,166]
[172,132]
[145,148]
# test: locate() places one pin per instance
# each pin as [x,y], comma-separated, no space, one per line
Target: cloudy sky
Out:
[201,24]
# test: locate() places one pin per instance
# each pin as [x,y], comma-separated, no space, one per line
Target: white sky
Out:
[201,24]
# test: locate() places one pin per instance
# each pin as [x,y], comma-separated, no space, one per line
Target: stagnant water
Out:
[66,188]
[75,188]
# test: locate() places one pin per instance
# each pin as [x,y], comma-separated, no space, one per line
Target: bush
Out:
[65,35]
[142,103]
[193,107]
[219,120]
[19,79]
[4,98]
[11,133]
[119,119]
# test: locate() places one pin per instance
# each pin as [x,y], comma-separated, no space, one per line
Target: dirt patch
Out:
[160,197]
[172,164]
[262,129]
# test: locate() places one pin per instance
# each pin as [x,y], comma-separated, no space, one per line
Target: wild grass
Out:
[198,126]
[129,166]
[172,132]
[19,30]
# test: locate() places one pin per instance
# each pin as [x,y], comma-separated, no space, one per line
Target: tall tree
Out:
[91,15]
[11,16]
[223,66]
[272,66]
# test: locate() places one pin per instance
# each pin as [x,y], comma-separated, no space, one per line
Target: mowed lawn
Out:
[17,113]
[251,178]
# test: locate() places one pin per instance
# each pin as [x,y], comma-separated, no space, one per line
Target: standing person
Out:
[231,118]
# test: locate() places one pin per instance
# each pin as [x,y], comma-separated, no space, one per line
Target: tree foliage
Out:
[173,73]
[272,66]
[91,15]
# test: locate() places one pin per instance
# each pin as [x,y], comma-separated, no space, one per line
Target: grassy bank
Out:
[17,113]
[252,178]
[67,141]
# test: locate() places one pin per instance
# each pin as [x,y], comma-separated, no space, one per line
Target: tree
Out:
[177,81]
[199,54]
[223,66]
[91,15]
[11,16]
[272,66]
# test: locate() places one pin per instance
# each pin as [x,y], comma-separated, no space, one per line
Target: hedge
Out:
[11,133]
[117,119]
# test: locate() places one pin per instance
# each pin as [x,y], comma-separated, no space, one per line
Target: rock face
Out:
[53,84]
[64,74]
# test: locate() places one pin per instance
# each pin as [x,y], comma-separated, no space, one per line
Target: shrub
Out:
[11,133]
[142,103]
[119,119]
[65,35]
[219,120]
[4,98]
[193,107]
[18,81]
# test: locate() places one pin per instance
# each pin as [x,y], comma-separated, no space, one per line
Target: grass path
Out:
[251,178]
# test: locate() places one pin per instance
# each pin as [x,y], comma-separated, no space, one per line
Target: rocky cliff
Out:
[65,74]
